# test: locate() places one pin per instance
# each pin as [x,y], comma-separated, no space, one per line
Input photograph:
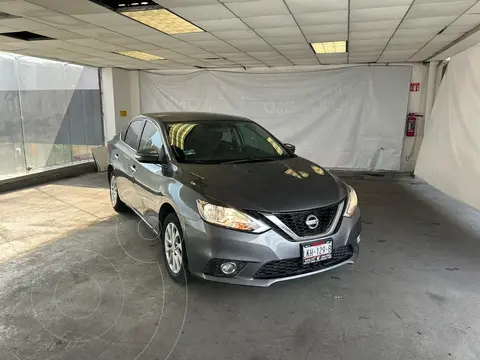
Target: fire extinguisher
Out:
[411,124]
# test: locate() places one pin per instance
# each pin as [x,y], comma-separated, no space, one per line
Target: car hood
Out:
[272,186]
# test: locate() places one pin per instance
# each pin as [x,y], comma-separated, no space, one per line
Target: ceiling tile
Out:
[298,46]
[298,54]
[309,6]
[324,29]
[285,40]
[65,22]
[264,54]
[374,25]
[331,17]
[312,61]
[136,30]
[60,34]
[170,3]
[327,37]
[372,4]
[408,39]
[160,39]
[468,19]
[378,14]
[137,46]
[370,42]
[77,7]
[97,44]
[235,34]
[4,29]
[326,59]
[203,12]
[396,55]
[222,25]
[474,9]
[438,9]
[25,24]
[215,45]
[366,35]
[272,21]
[405,46]
[250,44]
[431,22]
[446,37]
[414,33]
[461,29]
[258,8]
[284,31]
[23,8]
[192,37]
[111,18]
[96,33]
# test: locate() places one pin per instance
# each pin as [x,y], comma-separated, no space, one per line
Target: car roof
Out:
[169,117]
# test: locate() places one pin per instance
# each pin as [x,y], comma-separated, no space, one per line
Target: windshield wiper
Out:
[249,160]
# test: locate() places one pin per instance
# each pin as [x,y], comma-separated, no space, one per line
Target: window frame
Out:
[158,129]
[139,137]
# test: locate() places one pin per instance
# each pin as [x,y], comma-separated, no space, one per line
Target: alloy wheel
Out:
[113,191]
[173,248]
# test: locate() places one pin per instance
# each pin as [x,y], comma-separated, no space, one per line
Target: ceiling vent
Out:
[26,36]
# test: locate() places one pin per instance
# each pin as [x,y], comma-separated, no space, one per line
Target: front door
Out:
[149,179]
[126,188]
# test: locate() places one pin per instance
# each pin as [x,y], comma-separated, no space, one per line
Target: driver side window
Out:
[151,137]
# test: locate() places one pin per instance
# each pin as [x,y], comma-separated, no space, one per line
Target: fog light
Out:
[358,239]
[228,268]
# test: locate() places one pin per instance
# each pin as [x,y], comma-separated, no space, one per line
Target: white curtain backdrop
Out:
[352,118]
[449,158]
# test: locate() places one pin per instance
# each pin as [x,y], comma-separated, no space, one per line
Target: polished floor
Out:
[78,281]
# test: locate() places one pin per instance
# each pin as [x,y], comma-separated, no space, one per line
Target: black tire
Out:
[117,204]
[181,275]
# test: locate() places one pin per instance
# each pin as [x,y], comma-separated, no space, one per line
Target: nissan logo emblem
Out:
[312,221]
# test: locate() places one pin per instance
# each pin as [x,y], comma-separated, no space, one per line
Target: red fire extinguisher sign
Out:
[414,86]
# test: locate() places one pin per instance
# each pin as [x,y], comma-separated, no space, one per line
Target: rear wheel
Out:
[117,204]
[174,249]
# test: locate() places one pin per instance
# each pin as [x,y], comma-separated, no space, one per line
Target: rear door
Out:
[128,148]
[149,180]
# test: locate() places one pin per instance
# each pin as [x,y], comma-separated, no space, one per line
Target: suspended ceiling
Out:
[245,33]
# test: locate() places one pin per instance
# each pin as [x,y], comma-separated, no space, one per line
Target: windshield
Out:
[222,142]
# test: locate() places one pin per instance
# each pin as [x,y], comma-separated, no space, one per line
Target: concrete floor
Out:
[78,281]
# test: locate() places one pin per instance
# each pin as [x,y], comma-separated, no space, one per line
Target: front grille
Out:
[296,221]
[291,267]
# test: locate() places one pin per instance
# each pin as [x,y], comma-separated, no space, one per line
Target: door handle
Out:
[133,168]
[116,156]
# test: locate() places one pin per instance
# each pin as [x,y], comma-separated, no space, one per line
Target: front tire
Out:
[117,204]
[174,249]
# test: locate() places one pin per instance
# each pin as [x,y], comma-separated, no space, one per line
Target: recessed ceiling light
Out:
[163,20]
[330,47]
[141,55]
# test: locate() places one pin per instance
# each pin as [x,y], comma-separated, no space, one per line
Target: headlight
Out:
[229,218]
[352,202]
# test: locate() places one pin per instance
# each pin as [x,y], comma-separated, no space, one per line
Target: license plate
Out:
[316,251]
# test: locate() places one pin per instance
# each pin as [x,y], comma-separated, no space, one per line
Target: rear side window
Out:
[151,137]
[133,133]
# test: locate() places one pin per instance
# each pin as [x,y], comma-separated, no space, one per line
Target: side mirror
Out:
[290,147]
[151,156]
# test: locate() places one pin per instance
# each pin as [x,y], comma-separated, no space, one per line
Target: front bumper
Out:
[206,242]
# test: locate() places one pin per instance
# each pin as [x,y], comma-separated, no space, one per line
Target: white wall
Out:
[449,157]
[120,92]
[351,117]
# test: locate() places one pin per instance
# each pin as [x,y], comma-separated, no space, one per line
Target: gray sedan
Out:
[230,202]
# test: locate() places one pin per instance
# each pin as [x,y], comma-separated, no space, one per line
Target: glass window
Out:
[223,141]
[151,137]
[133,133]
